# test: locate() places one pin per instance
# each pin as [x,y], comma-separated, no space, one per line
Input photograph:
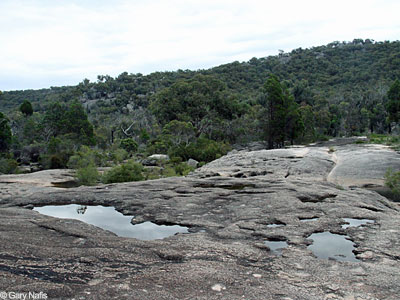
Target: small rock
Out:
[218,287]
[192,162]
[155,159]
[366,255]
[257,275]
[159,157]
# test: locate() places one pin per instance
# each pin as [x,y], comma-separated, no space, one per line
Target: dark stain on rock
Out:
[314,198]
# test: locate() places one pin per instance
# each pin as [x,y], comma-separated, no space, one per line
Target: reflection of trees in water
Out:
[81,210]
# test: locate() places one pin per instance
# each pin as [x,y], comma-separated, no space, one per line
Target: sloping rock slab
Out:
[225,256]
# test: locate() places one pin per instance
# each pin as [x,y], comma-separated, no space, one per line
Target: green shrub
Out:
[129,145]
[391,140]
[130,171]
[55,161]
[119,155]
[202,149]
[88,175]
[56,153]
[183,169]
[322,138]
[392,181]
[168,171]
[158,146]
[8,165]
[85,157]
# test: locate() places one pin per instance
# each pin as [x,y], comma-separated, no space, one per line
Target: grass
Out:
[390,140]
[392,181]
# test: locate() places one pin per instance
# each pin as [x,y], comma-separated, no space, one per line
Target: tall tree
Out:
[200,101]
[26,108]
[69,120]
[5,133]
[276,112]
[294,122]
[393,105]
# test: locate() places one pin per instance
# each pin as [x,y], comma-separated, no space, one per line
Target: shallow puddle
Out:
[327,245]
[275,225]
[110,219]
[276,246]
[356,222]
[308,220]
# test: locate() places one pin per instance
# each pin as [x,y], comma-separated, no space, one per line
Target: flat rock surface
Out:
[363,165]
[229,206]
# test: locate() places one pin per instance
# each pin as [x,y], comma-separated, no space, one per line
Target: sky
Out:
[61,42]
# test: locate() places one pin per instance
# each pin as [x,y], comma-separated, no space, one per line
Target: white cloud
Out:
[55,42]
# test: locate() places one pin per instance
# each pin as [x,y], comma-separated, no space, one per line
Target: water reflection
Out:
[332,246]
[308,220]
[275,225]
[276,247]
[110,219]
[356,222]
[81,210]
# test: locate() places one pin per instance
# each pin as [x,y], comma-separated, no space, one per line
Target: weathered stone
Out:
[225,256]
[155,159]
[192,162]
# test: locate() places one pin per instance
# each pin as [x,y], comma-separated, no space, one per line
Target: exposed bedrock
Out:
[230,205]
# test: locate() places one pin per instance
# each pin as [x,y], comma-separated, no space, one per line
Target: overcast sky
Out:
[60,42]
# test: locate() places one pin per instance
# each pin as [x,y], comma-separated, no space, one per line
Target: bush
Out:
[202,149]
[129,145]
[130,171]
[158,146]
[119,155]
[8,165]
[56,153]
[88,175]
[58,161]
[85,157]
[183,169]
[392,181]
[168,171]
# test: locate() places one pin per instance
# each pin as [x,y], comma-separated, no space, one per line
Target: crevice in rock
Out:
[58,230]
[172,257]
[371,208]
[228,186]
[47,274]
[315,198]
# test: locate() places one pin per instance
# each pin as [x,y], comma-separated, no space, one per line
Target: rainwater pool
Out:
[108,218]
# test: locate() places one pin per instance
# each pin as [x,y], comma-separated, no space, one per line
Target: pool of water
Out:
[356,222]
[327,245]
[276,246]
[275,225]
[110,219]
[308,219]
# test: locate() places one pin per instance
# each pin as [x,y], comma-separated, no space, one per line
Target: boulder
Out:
[155,159]
[192,162]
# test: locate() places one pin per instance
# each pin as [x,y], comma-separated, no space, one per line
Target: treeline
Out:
[297,97]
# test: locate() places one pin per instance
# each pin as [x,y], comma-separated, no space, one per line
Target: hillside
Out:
[334,70]
[339,89]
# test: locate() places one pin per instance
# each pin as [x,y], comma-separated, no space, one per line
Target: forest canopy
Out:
[340,89]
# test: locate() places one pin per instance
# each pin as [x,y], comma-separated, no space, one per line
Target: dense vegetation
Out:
[343,88]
